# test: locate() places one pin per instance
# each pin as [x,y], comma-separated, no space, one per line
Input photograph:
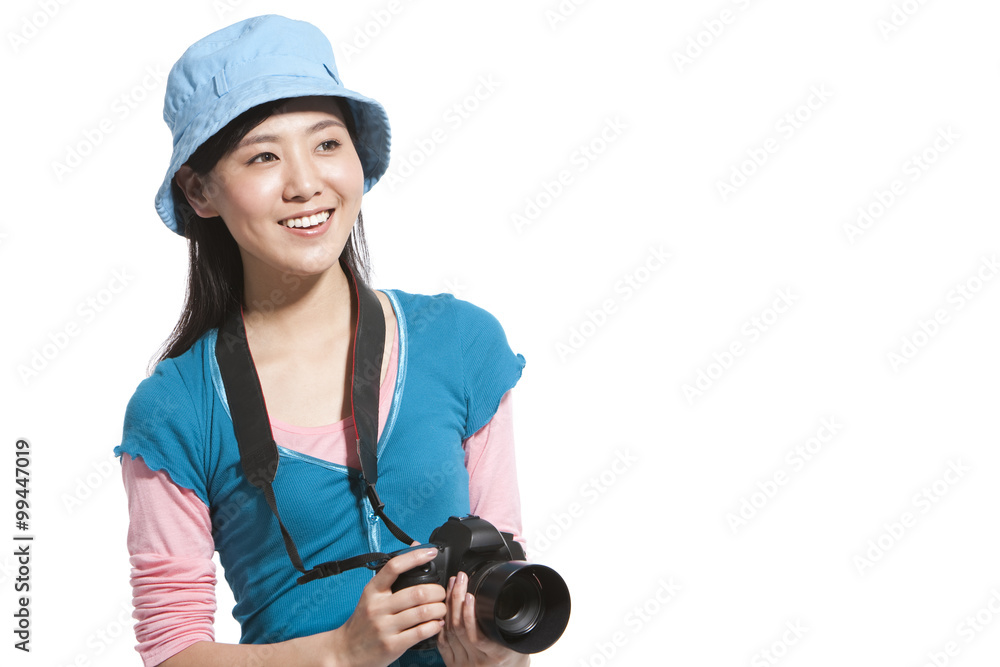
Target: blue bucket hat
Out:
[259,60]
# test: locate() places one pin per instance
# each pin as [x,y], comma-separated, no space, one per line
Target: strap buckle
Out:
[373,498]
[373,561]
[321,571]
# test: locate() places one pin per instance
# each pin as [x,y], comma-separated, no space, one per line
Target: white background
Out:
[627,482]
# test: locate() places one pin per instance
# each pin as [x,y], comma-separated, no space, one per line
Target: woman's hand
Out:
[386,624]
[461,642]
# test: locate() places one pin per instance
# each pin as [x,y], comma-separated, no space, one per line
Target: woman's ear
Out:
[194,188]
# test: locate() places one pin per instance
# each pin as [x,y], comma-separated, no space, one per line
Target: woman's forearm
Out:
[313,651]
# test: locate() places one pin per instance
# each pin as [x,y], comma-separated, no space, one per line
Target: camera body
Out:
[464,544]
[520,605]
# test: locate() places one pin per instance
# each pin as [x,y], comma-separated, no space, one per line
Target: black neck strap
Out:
[252,426]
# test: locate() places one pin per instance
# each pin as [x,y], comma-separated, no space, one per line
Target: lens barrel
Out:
[520,605]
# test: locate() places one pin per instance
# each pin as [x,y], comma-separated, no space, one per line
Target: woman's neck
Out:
[297,310]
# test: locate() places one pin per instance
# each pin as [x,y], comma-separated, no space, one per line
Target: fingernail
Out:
[469,599]
[430,553]
[451,584]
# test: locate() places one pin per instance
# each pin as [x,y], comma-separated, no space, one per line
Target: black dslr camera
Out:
[520,605]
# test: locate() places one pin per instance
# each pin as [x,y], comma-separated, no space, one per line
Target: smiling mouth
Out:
[307,221]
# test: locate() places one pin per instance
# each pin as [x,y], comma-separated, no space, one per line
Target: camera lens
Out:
[519,605]
[522,606]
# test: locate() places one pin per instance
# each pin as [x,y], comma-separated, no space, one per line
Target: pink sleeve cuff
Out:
[173,576]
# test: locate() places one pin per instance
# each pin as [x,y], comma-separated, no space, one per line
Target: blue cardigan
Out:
[454,367]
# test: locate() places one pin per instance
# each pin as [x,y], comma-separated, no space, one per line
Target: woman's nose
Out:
[302,179]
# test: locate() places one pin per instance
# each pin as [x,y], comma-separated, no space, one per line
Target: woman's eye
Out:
[329,145]
[263,157]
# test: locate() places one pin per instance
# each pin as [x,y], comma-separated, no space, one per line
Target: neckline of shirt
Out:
[384,398]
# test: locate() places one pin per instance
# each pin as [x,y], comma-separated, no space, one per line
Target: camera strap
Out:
[252,426]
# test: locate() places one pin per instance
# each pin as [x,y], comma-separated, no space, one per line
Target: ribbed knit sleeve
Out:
[173,576]
[490,368]
[165,427]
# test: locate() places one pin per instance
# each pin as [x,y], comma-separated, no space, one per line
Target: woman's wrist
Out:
[325,649]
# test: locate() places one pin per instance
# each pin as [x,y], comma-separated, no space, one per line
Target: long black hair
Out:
[215,267]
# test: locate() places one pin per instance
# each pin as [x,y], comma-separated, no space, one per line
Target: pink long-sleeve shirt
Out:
[170,532]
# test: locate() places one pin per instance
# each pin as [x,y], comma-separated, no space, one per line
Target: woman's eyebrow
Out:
[325,123]
[268,138]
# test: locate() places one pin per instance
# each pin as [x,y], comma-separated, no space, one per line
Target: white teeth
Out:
[310,221]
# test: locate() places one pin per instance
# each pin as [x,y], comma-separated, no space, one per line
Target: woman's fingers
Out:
[456,600]
[396,566]
[469,620]
[429,596]
[411,617]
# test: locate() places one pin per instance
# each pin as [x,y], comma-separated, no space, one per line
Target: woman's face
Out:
[290,191]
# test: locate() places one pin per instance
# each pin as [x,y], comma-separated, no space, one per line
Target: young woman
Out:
[272,156]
